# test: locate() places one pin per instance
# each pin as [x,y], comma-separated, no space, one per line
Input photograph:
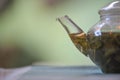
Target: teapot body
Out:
[104,43]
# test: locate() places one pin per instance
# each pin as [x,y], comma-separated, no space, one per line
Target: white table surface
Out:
[67,73]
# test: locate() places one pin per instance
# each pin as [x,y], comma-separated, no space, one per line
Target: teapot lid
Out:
[111,8]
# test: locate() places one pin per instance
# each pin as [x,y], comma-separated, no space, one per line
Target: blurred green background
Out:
[32,25]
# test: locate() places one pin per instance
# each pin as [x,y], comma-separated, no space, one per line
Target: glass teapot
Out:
[102,42]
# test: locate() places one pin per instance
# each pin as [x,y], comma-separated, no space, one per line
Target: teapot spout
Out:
[76,34]
[69,25]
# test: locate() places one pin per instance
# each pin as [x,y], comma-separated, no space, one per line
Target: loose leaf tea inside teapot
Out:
[103,50]
[80,41]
